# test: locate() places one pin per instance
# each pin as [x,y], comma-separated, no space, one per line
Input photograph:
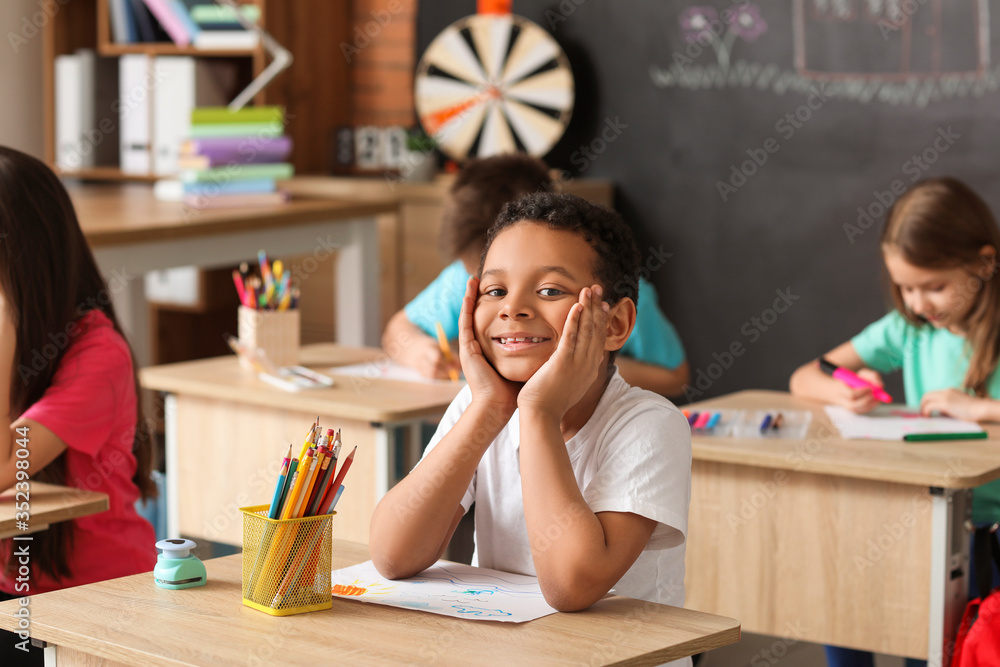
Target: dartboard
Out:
[492,84]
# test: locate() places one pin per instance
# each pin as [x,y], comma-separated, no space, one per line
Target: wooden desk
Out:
[129,621]
[851,542]
[49,504]
[220,417]
[132,233]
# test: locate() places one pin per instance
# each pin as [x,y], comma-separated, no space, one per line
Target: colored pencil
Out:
[280,486]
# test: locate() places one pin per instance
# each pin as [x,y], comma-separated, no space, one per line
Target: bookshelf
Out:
[314,90]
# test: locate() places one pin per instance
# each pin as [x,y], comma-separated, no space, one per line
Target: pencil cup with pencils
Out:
[276,332]
[268,316]
[286,562]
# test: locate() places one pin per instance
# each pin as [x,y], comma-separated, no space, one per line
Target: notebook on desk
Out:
[895,422]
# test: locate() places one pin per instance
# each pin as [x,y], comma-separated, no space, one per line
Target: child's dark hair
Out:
[49,279]
[617,264]
[479,192]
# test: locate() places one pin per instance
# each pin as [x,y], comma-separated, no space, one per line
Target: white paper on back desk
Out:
[384,370]
[887,422]
[451,589]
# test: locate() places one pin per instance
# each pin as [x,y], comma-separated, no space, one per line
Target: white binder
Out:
[136,86]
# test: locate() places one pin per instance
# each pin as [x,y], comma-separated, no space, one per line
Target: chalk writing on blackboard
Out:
[898,52]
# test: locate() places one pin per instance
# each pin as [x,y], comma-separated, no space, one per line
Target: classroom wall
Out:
[741,180]
[382,53]
[21,74]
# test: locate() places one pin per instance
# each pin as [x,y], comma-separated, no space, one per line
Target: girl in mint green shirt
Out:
[940,246]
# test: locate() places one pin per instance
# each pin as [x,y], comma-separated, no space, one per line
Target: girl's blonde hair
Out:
[942,224]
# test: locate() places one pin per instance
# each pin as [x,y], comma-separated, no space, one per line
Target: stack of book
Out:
[235,158]
[199,23]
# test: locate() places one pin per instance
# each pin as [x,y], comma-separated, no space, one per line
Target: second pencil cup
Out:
[286,563]
[274,331]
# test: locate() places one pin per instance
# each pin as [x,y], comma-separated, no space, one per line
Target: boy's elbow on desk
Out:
[393,566]
[567,595]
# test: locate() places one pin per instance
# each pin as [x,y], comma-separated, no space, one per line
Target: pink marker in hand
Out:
[851,379]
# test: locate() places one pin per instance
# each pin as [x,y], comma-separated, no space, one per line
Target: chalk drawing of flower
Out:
[702,27]
[697,21]
[747,22]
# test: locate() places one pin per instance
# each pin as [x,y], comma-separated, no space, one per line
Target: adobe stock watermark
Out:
[440,131]
[786,126]
[223,175]
[915,167]
[892,532]
[901,13]
[363,35]
[751,330]
[778,649]
[797,458]
[34,24]
[561,13]
[586,154]
[58,341]
[120,109]
[653,262]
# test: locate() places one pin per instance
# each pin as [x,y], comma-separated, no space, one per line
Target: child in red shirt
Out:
[69,396]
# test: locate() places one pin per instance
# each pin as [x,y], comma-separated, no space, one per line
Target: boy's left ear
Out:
[621,320]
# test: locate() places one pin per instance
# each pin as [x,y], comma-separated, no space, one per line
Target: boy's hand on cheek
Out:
[567,375]
[485,383]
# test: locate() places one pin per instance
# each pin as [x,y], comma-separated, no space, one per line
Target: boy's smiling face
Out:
[531,278]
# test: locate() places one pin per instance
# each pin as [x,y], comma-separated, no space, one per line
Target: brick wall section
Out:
[381,79]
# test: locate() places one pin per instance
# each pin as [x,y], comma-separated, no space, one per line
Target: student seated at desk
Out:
[652,358]
[69,389]
[587,484]
[939,246]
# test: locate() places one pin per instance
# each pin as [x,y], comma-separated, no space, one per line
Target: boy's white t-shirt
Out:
[632,455]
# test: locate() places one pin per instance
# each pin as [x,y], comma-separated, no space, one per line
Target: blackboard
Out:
[806,111]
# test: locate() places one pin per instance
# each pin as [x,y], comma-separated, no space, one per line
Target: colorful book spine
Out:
[264,199]
[242,172]
[206,130]
[226,150]
[217,14]
[173,25]
[184,16]
[261,114]
[236,187]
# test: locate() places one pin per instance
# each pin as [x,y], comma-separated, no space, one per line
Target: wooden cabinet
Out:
[313,90]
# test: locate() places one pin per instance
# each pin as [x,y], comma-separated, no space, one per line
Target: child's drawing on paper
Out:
[450,589]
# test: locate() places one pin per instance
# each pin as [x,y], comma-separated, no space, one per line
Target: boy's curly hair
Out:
[617,264]
[480,190]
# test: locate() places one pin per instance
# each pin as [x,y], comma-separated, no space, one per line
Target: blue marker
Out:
[767,422]
[714,420]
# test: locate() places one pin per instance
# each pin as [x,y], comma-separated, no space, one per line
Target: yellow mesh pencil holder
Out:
[286,563]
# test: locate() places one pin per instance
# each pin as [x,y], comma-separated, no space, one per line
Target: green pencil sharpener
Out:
[176,568]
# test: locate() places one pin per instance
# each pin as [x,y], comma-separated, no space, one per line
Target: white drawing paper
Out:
[384,370]
[892,423]
[451,589]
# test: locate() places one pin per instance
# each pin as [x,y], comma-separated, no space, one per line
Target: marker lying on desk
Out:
[851,379]
[702,420]
[764,424]
[971,435]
